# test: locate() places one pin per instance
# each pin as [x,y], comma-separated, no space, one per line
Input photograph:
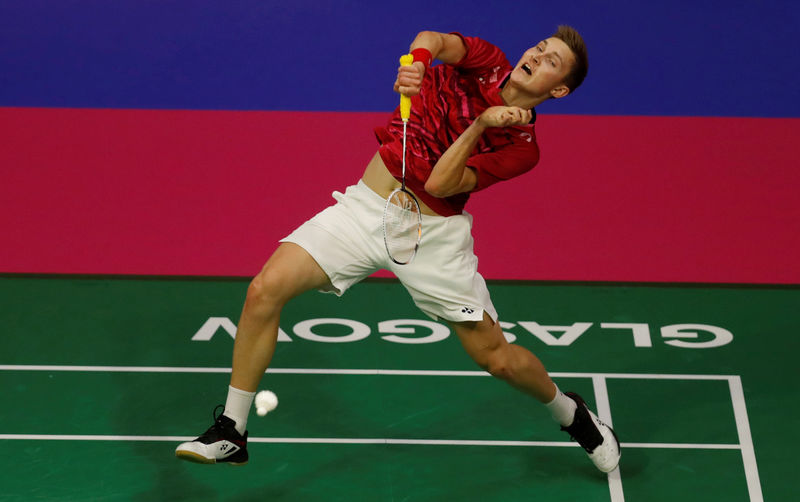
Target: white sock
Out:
[237,407]
[562,408]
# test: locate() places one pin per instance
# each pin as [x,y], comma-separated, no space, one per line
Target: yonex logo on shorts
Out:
[467,310]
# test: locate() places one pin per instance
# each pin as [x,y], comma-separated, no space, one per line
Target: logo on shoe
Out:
[228,448]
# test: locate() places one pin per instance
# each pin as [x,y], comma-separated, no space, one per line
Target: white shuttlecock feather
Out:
[265,402]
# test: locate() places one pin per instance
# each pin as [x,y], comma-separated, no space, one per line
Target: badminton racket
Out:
[402,221]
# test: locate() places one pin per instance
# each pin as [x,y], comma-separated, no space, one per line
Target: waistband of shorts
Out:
[363,188]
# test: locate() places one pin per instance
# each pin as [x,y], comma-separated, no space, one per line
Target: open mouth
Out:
[527,69]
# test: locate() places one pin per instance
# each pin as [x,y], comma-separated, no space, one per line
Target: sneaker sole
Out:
[191,456]
[194,457]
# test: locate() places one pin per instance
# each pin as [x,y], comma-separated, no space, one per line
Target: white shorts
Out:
[346,240]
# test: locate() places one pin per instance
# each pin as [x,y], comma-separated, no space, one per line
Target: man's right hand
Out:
[409,79]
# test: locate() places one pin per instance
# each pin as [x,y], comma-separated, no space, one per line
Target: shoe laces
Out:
[216,431]
[218,411]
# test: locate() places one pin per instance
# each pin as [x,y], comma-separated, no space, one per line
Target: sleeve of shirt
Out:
[505,163]
[480,54]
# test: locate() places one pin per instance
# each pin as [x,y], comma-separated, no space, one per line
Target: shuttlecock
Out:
[266,401]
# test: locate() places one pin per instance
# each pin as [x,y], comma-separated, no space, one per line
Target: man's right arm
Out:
[445,47]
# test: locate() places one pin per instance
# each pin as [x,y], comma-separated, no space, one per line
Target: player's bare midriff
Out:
[381,181]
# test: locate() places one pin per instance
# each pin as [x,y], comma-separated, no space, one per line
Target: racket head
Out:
[402,226]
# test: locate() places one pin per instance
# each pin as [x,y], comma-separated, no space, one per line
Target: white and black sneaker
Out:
[220,443]
[598,439]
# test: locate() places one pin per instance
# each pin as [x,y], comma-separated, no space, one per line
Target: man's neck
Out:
[512,97]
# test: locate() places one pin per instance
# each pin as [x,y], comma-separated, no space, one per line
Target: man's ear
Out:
[559,91]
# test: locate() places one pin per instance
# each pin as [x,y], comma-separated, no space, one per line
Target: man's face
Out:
[542,69]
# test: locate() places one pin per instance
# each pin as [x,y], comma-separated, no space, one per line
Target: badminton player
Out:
[471,125]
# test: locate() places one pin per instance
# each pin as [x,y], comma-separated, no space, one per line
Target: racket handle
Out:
[405,101]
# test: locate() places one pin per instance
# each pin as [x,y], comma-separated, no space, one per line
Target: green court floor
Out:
[101,377]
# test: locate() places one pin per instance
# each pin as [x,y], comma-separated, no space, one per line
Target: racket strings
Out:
[402,227]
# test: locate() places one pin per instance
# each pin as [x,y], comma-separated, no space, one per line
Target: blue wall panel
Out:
[706,58]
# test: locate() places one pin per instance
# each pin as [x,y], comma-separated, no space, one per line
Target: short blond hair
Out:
[580,67]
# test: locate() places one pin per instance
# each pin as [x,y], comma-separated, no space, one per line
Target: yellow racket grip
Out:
[405,101]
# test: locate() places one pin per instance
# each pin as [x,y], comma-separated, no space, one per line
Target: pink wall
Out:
[209,193]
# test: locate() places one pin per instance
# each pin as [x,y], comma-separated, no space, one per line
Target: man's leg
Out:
[289,272]
[484,342]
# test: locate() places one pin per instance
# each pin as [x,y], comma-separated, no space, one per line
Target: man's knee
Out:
[499,364]
[486,345]
[265,290]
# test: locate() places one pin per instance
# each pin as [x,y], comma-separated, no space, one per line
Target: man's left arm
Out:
[451,175]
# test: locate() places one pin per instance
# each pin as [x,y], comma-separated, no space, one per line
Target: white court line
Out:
[693,446]
[120,369]
[644,376]
[746,440]
[735,384]
[321,371]
[604,414]
[434,442]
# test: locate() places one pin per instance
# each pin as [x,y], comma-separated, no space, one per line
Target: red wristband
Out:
[423,55]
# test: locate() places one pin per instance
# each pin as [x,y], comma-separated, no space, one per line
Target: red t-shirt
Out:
[450,98]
